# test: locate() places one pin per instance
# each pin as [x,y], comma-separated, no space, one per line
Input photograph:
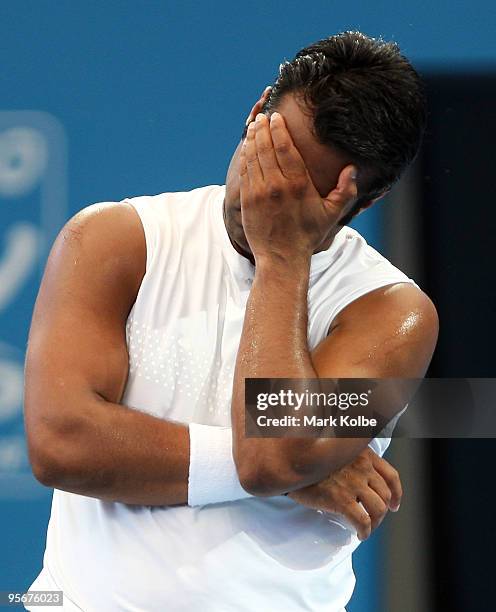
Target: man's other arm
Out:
[389,333]
[80,438]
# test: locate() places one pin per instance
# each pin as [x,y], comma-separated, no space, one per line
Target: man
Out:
[153,311]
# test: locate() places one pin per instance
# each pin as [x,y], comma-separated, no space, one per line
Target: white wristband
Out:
[212,472]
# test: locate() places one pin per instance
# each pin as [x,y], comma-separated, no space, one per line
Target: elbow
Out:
[44,459]
[59,468]
[55,461]
[259,482]
[45,470]
[264,479]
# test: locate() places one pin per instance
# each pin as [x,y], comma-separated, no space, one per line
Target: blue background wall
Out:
[143,97]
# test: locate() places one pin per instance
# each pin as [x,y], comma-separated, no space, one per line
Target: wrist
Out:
[290,265]
[213,477]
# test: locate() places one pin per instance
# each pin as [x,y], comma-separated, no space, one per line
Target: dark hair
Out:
[366,100]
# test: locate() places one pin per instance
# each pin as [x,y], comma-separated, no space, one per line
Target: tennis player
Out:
[153,311]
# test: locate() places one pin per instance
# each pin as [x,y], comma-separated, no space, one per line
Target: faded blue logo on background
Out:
[33,207]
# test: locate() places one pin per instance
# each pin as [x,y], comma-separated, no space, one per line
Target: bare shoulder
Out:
[107,226]
[389,332]
[401,304]
[102,241]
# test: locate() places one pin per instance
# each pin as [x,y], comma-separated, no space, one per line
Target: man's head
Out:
[345,99]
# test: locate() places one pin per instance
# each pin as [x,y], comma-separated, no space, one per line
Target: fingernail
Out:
[248,121]
[354,175]
[258,118]
[274,115]
[395,508]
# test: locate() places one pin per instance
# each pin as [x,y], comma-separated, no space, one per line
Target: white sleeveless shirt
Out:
[183,332]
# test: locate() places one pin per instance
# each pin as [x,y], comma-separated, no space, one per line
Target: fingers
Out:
[378,484]
[267,145]
[359,518]
[392,479]
[243,177]
[249,151]
[288,157]
[265,148]
[374,505]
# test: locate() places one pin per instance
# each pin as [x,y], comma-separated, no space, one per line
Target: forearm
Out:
[115,453]
[274,338]
[274,345]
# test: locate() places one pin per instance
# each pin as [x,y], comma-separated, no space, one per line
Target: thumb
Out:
[346,190]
